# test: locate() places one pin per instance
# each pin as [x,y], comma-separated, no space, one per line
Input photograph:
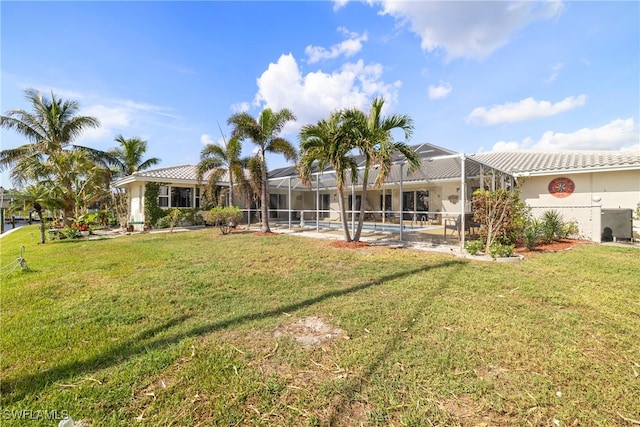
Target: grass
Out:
[178,329]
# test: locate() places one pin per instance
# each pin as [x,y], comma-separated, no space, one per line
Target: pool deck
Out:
[427,237]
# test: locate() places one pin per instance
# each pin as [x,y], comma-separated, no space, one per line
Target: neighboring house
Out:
[590,188]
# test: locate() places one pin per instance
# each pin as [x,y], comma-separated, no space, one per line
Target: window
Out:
[197,205]
[277,206]
[414,202]
[163,196]
[181,197]
[325,205]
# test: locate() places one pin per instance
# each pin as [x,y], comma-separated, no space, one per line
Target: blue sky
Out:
[474,76]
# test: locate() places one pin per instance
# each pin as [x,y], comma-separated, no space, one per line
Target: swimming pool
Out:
[367,226]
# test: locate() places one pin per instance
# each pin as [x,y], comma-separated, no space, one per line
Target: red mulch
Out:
[348,245]
[260,233]
[560,245]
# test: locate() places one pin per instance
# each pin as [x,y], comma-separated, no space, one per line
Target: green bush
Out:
[552,226]
[474,247]
[501,250]
[225,218]
[532,233]
[192,216]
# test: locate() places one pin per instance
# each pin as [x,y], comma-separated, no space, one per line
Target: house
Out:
[597,190]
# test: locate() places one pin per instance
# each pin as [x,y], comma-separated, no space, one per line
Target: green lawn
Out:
[179,329]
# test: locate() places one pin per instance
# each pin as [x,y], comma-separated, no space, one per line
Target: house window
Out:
[415,202]
[277,206]
[325,205]
[181,197]
[197,198]
[163,196]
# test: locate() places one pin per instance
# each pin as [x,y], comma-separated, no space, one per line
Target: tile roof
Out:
[547,163]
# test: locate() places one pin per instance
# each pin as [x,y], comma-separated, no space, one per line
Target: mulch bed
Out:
[348,245]
[557,246]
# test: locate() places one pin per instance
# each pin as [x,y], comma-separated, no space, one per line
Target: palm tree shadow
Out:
[14,390]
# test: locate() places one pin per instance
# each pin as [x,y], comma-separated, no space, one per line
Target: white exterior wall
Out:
[593,192]
[137,205]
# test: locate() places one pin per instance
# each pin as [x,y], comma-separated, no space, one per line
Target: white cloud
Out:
[346,48]
[440,91]
[468,29]
[240,107]
[316,94]
[619,134]
[123,116]
[555,71]
[526,109]
[206,139]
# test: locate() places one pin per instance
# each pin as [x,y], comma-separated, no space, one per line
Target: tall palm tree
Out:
[129,156]
[327,143]
[221,160]
[373,137]
[264,132]
[50,129]
[39,198]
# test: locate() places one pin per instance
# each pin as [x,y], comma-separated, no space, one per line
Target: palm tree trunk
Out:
[265,198]
[363,199]
[42,236]
[343,216]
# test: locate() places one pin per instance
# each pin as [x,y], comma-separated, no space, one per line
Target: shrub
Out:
[532,233]
[552,226]
[192,216]
[224,218]
[502,214]
[501,250]
[474,247]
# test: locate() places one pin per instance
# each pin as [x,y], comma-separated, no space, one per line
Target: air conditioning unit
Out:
[617,224]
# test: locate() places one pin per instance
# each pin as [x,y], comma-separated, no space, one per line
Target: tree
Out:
[502,214]
[222,160]
[50,129]
[38,197]
[129,156]
[327,143]
[372,136]
[263,132]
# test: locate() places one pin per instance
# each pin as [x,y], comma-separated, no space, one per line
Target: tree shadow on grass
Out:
[14,390]
[354,386]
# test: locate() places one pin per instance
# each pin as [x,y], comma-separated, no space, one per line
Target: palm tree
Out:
[50,130]
[221,160]
[327,143]
[264,133]
[373,137]
[38,197]
[128,157]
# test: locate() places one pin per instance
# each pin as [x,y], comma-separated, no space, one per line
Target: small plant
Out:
[532,232]
[570,229]
[552,226]
[474,247]
[499,250]
[226,218]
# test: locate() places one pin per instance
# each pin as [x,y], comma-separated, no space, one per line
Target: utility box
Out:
[617,224]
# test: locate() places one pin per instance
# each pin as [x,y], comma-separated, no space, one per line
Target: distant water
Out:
[8,226]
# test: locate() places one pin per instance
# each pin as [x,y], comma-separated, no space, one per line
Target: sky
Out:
[474,76]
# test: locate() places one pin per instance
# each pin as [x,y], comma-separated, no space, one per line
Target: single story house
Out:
[600,191]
